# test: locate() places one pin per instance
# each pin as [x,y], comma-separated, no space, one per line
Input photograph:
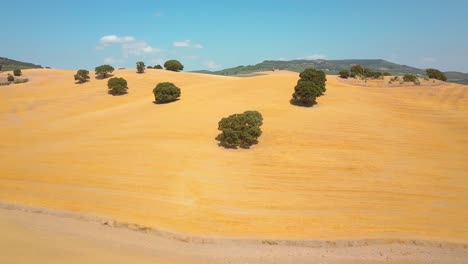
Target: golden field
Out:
[365,162]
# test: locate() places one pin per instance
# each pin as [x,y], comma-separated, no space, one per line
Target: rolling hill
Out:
[333,67]
[364,163]
[9,64]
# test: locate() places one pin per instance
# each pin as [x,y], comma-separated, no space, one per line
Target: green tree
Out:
[166,92]
[17,72]
[344,74]
[436,74]
[10,78]
[117,86]
[158,67]
[104,71]
[411,78]
[240,130]
[150,67]
[310,86]
[82,76]
[140,67]
[356,71]
[173,65]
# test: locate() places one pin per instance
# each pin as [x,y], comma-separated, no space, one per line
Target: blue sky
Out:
[220,34]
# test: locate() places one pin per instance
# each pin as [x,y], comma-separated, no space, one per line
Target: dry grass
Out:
[363,163]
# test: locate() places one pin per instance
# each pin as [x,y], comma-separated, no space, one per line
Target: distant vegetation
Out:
[10,78]
[334,67]
[104,71]
[158,67]
[117,86]
[344,74]
[9,65]
[240,130]
[82,76]
[140,67]
[436,74]
[166,92]
[173,65]
[310,86]
[411,78]
[17,72]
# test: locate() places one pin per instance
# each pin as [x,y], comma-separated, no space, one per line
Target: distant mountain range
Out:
[9,64]
[333,67]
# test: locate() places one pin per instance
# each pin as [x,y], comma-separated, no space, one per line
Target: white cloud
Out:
[316,57]
[212,65]
[182,44]
[186,44]
[108,60]
[130,45]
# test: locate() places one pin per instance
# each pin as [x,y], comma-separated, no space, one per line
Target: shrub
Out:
[436,74]
[10,78]
[310,86]
[140,67]
[117,86]
[344,74]
[17,72]
[4,83]
[166,92]
[411,78]
[149,67]
[240,130]
[104,71]
[356,71]
[158,67]
[394,79]
[18,81]
[173,65]
[82,76]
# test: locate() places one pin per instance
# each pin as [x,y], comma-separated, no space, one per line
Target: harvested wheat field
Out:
[364,163]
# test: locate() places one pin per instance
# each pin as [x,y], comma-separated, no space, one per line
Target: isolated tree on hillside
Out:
[166,92]
[117,86]
[140,67]
[158,67]
[240,130]
[104,71]
[310,86]
[344,74]
[436,74]
[10,78]
[173,65]
[82,76]
[17,72]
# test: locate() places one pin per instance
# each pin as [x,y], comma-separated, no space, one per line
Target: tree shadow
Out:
[302,103]
[99,77]
[165,102]
[116,94]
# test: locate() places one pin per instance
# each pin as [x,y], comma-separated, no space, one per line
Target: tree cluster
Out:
[240,130]
[310,86]
[166,92]
[117,86]
[436,74]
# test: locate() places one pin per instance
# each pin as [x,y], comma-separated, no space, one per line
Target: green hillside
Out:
[333,67]
[8,64]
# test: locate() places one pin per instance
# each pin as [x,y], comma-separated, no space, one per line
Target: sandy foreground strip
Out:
[33,235]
